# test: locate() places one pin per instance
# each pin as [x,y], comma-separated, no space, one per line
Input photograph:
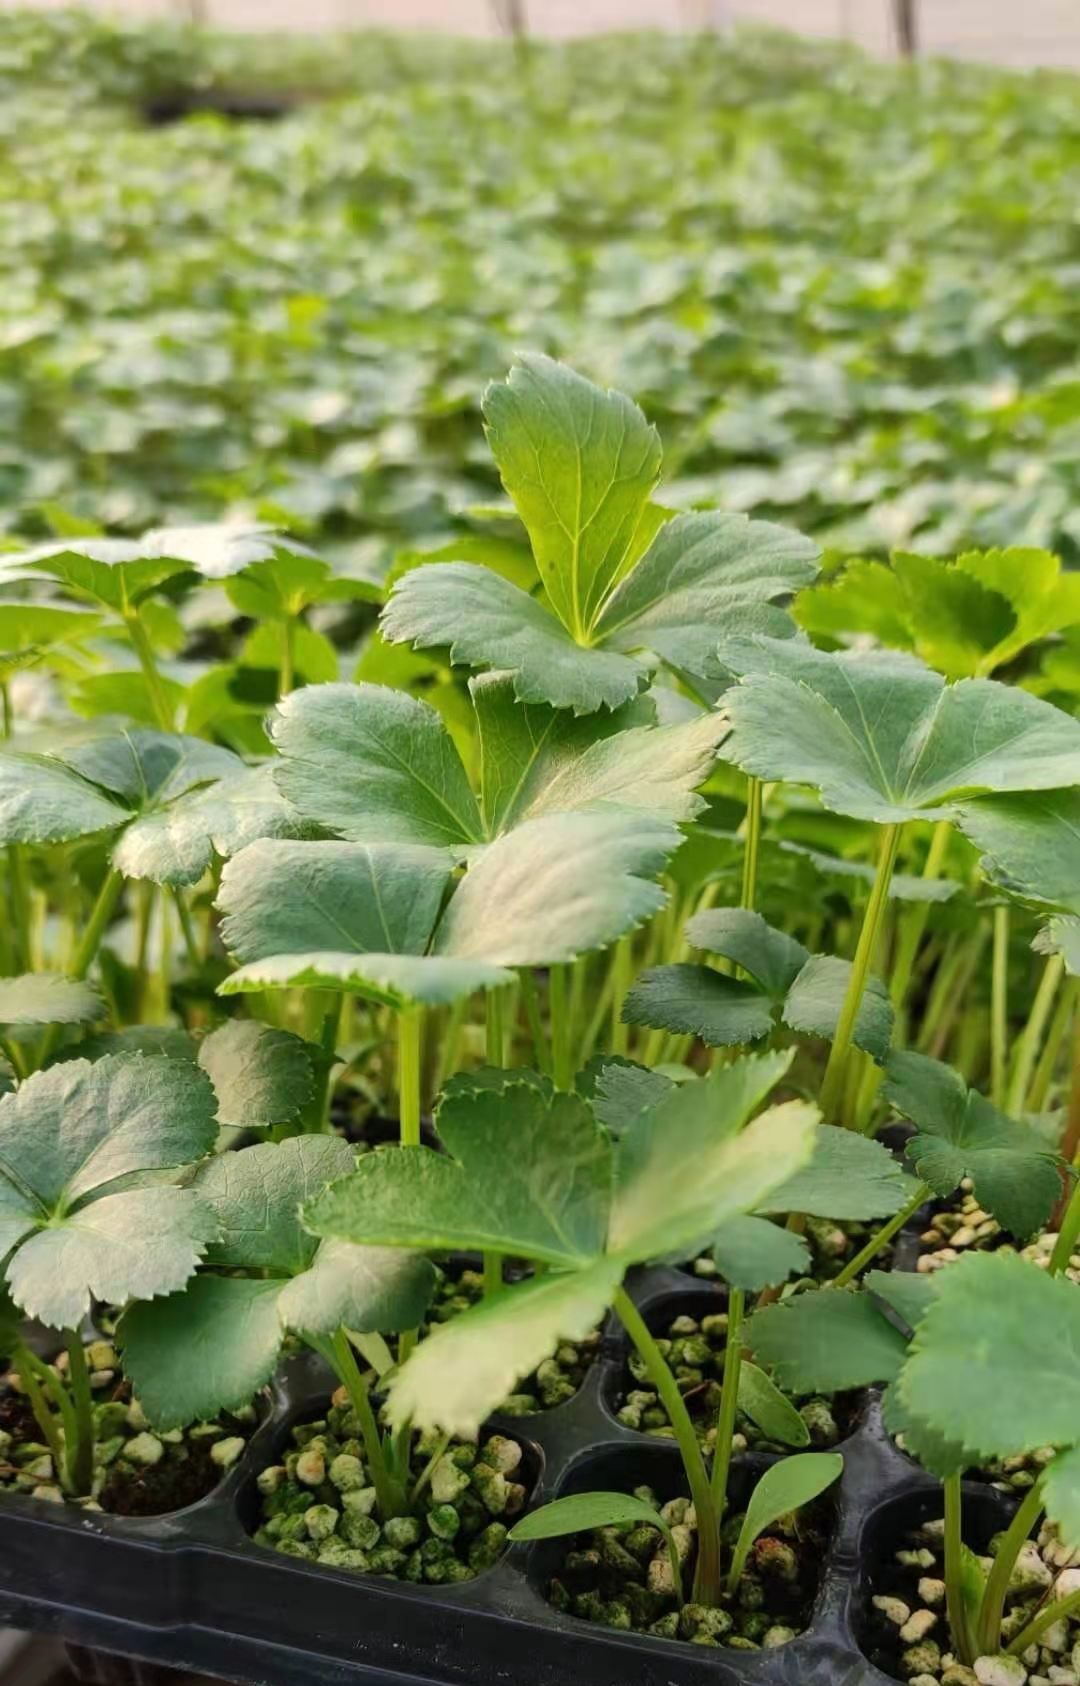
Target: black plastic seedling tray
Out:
[193,1590]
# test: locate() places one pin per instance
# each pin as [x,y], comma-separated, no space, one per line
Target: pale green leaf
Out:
[44,802]
[366,1289]
[557,887]
[787,1486]
[373,765]
[538,760]
[849,1177]
[176,844]
[883,738]
[527,1171]
[466,1368]
[699,574]
[580,465]
[261,1076]
[139,1243]
[1031,843]
[761,1400]
[486,622]
[48,998]
[692,1162]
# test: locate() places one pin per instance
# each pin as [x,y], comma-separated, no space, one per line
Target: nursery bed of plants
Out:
[557,1152]
[539,1052]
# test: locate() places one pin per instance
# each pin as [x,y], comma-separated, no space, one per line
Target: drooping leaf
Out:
[464,1370]
[787,1486]
[1016,1386]
[48,998]
[882,737]
[753,1253]
[43,802]
[261,1076]
[120,573]
[1016,1174]
[827,1341]
[85,1210]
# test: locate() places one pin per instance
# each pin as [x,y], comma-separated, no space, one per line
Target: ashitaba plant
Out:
[401,974]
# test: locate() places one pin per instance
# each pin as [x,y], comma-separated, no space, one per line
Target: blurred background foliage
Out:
[845,291]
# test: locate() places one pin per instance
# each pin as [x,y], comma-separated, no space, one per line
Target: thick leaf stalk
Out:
[80,1454]
[955,1603]
[751,843]
[1032,1034]
[881,1238]
[832,1087]
[729,1400]
[999,1006]
[389,1494]
[707,1578]
[988,1635]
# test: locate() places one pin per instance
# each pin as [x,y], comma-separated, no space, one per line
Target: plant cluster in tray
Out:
[410,1032]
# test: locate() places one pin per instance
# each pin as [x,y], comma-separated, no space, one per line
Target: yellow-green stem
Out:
[496,1033]
[707,1579]
[913,924]
[80,1455]
[389,1497]
[622,971]
[751,842]
[410,1026]
[155,685]
[1055,1040]
[832,1087]
[962,1638]
[286,677]
[1046,1617]
[991,1609]
[561,1053]
[1067,1236]
[999,1006]
[531,1001]
[100,915]
[1032,1034]
[187,929]
[729,1401]
[880,1239]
